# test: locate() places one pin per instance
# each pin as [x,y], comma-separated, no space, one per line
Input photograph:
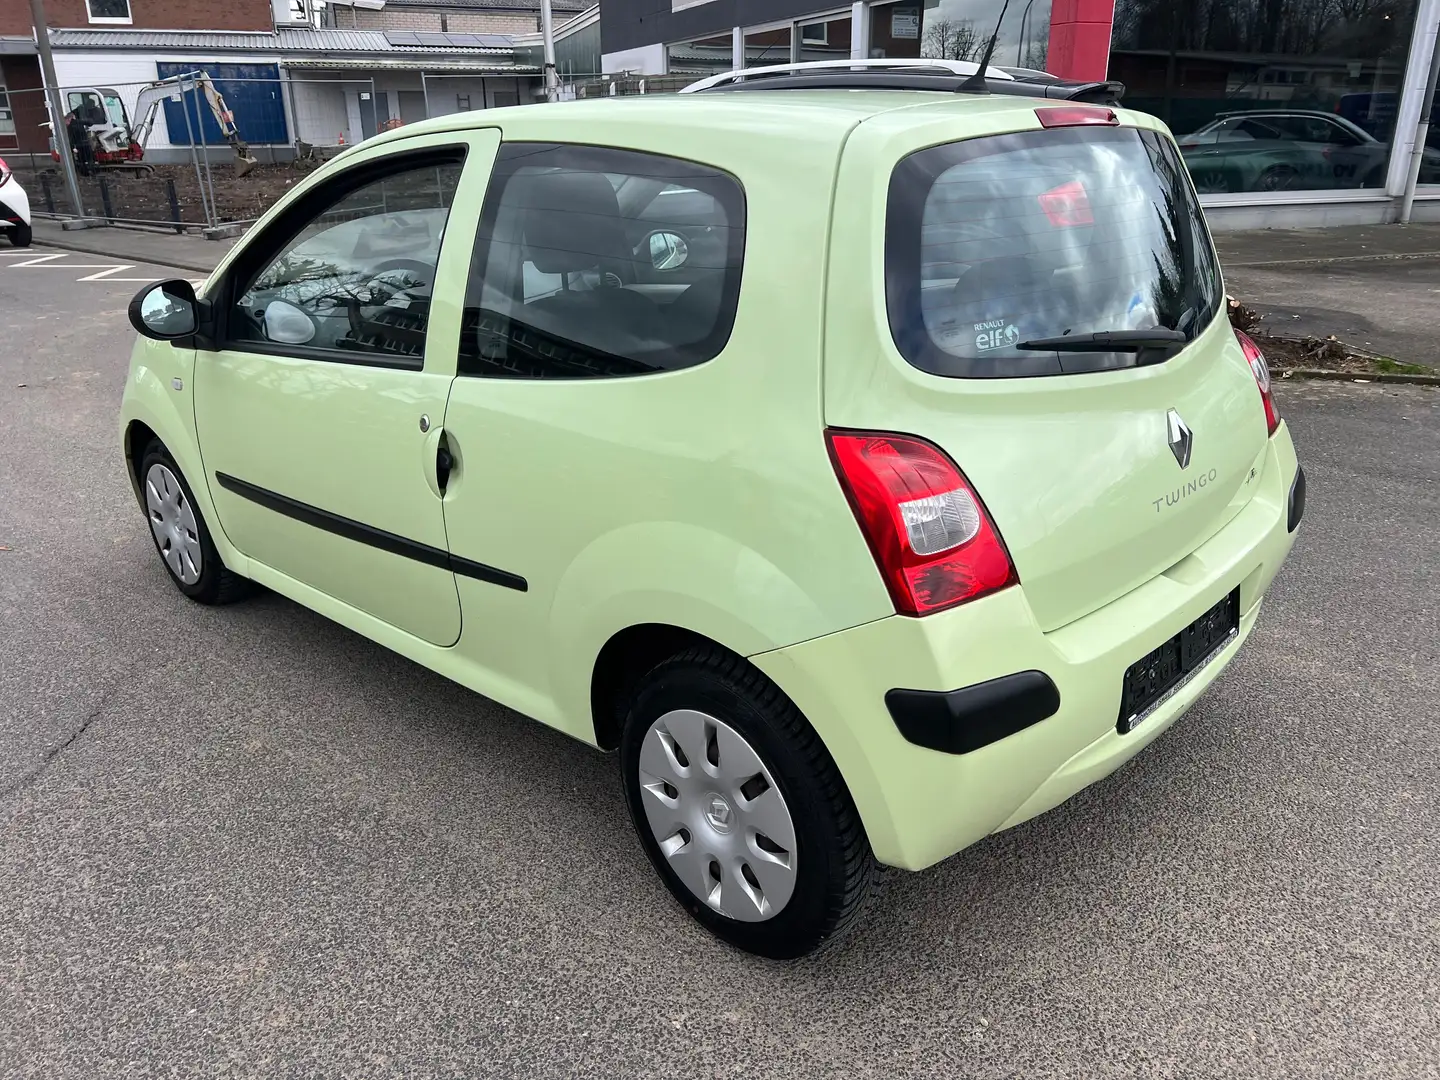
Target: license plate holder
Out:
[1159,674]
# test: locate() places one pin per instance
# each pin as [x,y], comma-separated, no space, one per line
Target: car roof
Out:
[755,116]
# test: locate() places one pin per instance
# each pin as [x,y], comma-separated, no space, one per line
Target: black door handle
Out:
[443,464]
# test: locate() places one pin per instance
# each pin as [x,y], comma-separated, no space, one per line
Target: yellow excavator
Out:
[115,144]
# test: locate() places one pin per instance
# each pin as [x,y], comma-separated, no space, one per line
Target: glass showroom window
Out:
[769,46]
[1294,95]
[825,39]
[704,56]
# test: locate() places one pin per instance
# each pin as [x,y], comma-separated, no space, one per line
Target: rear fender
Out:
[674,574]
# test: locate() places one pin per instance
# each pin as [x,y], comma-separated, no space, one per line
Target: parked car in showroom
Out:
[865,455]
[14,208]
[1280,150]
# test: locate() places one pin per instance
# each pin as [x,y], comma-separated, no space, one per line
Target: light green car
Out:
[873,469]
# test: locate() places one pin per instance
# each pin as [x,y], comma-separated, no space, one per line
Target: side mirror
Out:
[165,311]
[668,250]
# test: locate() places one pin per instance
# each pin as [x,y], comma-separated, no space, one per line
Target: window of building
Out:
[462,102]
[109,11]
[898,29]
[592,262]
[1205,70]
[826,39]
[354,283]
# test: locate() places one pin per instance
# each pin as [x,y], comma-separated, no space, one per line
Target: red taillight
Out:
[1076,116]
[932,539]
[4,171]
[1067,205]
[1256,359]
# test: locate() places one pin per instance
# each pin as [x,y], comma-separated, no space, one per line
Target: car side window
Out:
[593,262]
[354,282]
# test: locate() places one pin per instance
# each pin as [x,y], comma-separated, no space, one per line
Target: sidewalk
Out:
[1376,287]
[150,246]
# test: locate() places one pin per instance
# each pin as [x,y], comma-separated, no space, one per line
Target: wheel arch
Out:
[623,661]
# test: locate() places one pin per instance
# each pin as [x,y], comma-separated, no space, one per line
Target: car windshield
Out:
[994,242]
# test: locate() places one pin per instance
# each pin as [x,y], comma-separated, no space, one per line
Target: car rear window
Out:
[993,242]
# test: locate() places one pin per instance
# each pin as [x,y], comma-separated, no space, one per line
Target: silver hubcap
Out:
[718,816]
[172,520]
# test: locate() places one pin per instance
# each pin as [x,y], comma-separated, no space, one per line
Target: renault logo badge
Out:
[1179,437]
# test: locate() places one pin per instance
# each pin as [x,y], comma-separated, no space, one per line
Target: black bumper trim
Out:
[960,721]
[1297,499]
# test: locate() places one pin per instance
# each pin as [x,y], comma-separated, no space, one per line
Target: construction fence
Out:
[170,164]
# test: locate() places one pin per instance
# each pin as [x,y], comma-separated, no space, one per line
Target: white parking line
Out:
[105,273]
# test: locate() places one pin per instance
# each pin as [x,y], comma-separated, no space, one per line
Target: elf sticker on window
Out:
[995,334]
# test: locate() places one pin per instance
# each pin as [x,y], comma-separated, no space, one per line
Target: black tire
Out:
[217,584]
[835,869]
[21,234]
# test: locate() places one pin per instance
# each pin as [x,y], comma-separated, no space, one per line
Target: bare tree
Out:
[946,39]
[1036,54]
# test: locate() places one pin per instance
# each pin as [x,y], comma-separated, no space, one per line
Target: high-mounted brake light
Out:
[1076,116]
[1067,205]
[1261,370]
[932,539]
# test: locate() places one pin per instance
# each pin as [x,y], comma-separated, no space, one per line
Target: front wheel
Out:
[740,807]
[180,534]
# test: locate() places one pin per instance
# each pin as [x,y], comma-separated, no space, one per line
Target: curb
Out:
[1321,375]
[96,249]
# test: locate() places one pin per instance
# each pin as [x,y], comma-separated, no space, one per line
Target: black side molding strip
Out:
[964,720]
[368,534]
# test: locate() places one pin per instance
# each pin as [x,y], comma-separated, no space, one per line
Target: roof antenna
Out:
[976,84]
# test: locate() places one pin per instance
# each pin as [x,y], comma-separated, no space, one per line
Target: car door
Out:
[319,412]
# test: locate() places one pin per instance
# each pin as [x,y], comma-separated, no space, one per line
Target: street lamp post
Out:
[547,32]
[57,114]
[1020,48]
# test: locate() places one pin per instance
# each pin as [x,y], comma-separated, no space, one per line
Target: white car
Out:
[14,208]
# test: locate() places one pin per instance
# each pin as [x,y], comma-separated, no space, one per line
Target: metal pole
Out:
[214,218]
[425,89]
[190,134]
[57,113]
[1422,132]
[547,31]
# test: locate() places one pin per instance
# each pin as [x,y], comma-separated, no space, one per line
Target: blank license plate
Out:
[1159,673]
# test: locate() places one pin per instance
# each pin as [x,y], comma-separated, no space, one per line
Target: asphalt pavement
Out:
[245,842]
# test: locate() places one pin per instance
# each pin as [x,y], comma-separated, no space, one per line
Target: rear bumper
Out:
[921,804]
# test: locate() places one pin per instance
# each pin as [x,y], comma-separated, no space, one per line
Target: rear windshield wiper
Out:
[1109,341]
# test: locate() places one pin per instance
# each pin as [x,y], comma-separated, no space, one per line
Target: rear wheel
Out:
[180,534]
[740,807]
[21,234]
